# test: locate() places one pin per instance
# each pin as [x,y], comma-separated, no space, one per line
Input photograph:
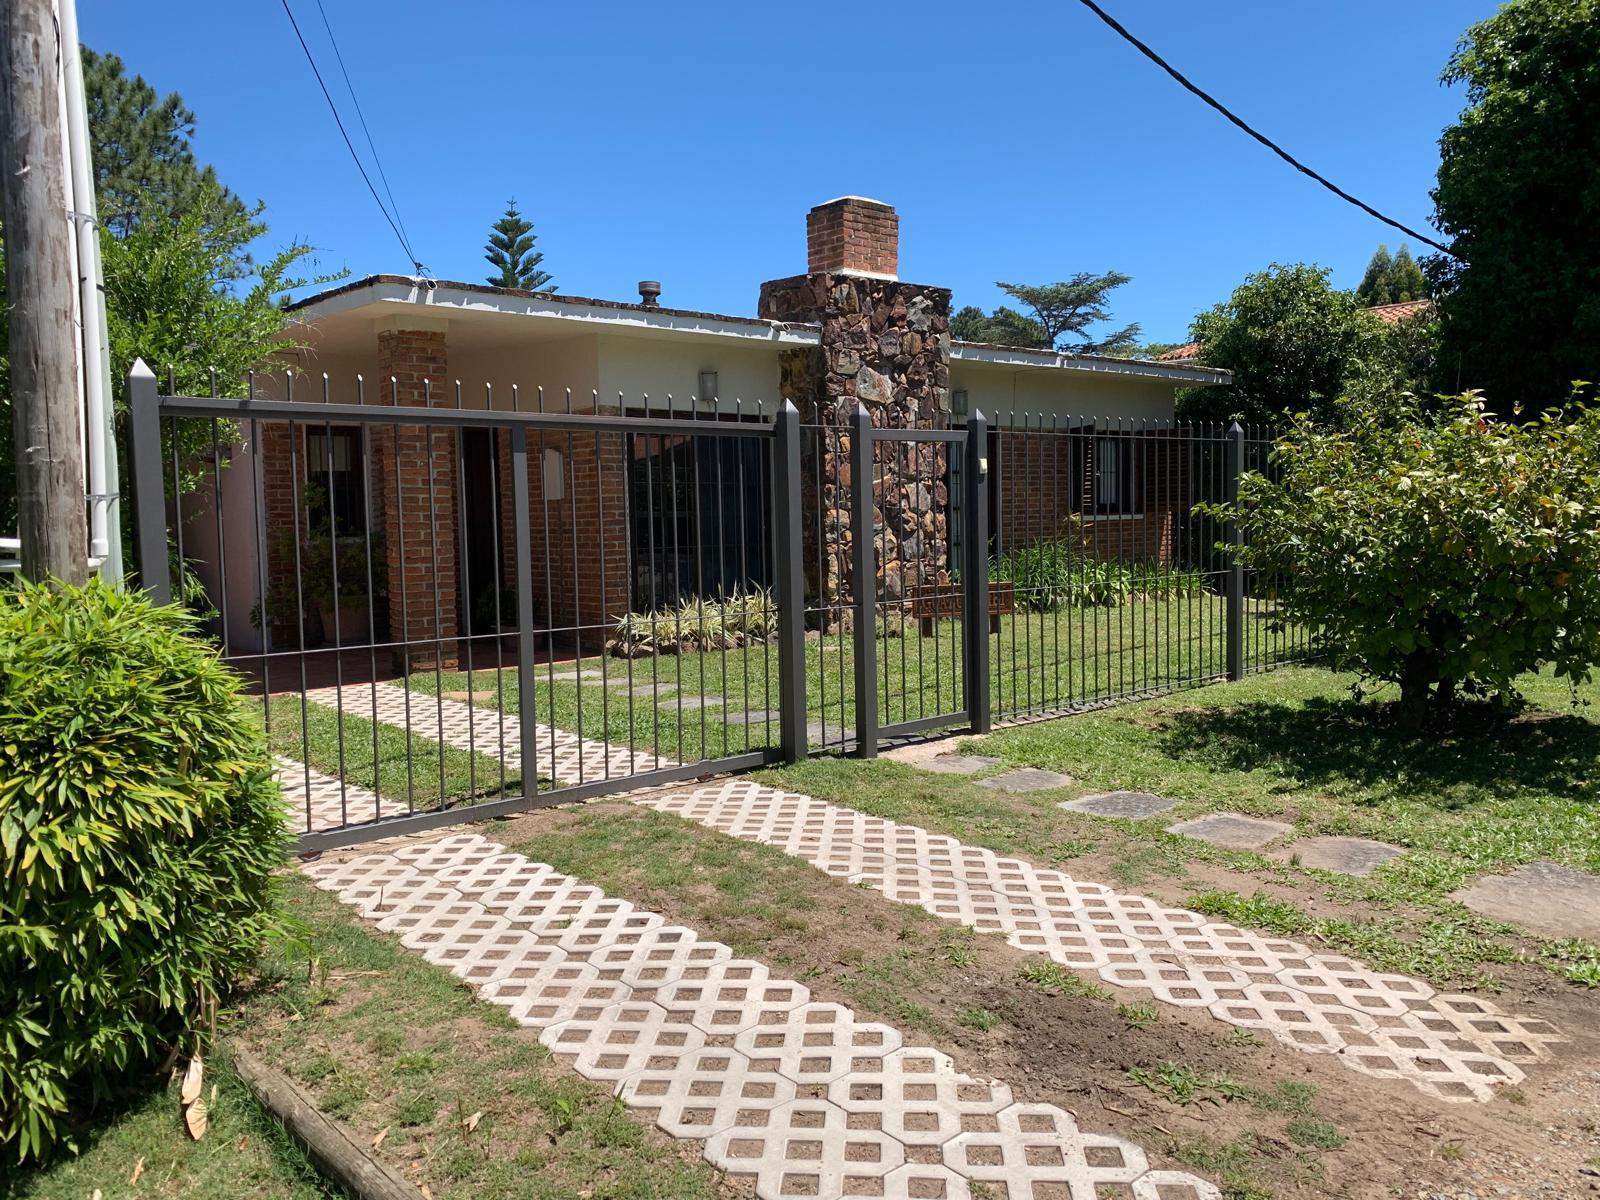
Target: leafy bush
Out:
[1055,575]
[741,618]
[140,826]
[1444,553]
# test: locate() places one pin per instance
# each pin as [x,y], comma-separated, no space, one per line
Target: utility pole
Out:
[41,281]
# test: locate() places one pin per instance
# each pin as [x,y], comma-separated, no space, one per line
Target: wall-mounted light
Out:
[554,479]
[708,386]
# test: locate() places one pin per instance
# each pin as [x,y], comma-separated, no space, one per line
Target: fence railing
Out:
[448,601]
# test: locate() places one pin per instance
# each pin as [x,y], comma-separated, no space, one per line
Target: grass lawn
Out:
[1040,661]
[385,1041]
[1483,796]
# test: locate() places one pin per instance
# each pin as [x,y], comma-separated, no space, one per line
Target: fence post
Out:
[786,503]
[864,581]
[1234,537]
[975,570]
[522,527]
[149,483]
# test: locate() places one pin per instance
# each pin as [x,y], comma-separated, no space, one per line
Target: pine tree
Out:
[511,253]
[1377,284]
[1406,278]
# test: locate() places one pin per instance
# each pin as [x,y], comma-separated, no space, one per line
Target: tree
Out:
[1442,553]
[1294,344]
[511,253]
[1518,188]
[1004,327]
[143,161]
[1392,280]
[1374,286]
[1067,309]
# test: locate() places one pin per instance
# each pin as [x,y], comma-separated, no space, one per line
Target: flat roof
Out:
[456,299]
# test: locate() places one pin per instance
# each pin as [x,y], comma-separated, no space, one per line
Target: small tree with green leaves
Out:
[1067,309]
[511,253]
[1391,280]
[1003,327]
[1445,553]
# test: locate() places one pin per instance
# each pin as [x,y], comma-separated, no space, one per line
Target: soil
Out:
[1534,1140]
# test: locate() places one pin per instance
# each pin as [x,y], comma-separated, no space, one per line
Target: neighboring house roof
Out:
[379,294]
[1390,314]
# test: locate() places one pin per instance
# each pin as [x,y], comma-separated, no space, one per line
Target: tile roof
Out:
[1390,314]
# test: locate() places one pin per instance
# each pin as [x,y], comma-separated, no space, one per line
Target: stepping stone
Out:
[1231,831]
[490,694]
[759,716]
[640,691]
[1026,779]
[1131,806]
[696,702]
[836,734]
[1545,897]
[1346,855]
[959,764]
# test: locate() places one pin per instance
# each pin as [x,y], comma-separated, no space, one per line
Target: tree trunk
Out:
[1416,682]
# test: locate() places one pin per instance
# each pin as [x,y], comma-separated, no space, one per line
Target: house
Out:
[1193,353]
[847,330]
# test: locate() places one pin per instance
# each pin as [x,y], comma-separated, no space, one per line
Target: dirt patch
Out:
[1250,1121]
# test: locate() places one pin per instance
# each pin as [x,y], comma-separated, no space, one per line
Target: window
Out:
[335,478]
[1116,487]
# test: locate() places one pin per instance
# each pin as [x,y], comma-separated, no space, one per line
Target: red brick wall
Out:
[578,540]
[853,235]
[414,471]
[1047,478]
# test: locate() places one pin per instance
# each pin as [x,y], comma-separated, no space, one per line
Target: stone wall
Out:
[886,345]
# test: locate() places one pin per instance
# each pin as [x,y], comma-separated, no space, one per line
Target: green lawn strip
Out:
[1289,745]
[752,897]
[318,743]
[245,1153]
[1040,659]
[385,1040]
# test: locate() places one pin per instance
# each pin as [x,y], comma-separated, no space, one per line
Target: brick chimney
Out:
[855,235]
[884,344]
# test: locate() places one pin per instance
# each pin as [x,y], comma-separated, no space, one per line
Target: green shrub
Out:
[742,618]
[139,828]
[1443,553]
[1056,575]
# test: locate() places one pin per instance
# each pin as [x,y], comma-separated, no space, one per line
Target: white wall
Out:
[639,366]
[1062,394]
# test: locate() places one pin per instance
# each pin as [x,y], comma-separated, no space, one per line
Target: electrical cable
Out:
[333,108]
[1183,81]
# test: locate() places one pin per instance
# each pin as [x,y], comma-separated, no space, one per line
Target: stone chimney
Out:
[853,234]
[885,344]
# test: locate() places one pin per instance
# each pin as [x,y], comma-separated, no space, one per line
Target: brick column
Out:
[414,471]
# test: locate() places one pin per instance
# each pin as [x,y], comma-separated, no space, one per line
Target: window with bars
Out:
[335,473]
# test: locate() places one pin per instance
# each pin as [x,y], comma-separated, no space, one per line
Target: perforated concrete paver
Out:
[1391,1026]
[1232,831]
[802,1098]
[564,757]
[1132,806]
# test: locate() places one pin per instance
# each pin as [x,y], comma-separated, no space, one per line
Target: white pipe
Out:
[105,531]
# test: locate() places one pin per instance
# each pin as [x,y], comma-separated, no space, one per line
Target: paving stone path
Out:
[565,757]
[799,1096]
[1451,1046]
[1455,1047]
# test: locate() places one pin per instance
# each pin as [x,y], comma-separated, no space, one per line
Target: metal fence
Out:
[450,601]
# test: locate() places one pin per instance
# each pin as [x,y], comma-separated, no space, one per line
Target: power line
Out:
[333,108]
[1183,81]
[362,117]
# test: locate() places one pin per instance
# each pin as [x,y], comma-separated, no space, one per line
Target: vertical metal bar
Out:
[1235,539]
[522,534]
[149,489]
[791,584]
[976,573]
[864,582]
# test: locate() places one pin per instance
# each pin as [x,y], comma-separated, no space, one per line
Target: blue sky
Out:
[685,142]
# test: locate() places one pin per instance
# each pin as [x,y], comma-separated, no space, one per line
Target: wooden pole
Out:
[328,1146]
[40,284]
